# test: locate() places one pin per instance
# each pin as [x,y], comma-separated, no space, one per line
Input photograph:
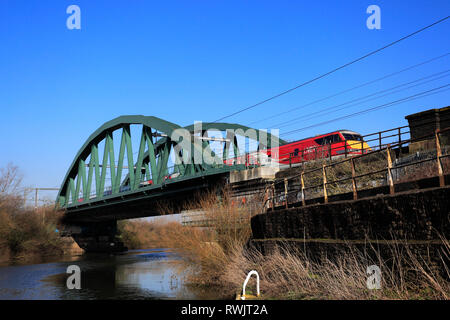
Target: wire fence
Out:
[382,166]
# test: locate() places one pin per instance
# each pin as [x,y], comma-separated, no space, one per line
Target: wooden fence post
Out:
[355,190]
[439,163]
[266,198]
[389,160]
[273,196]
[325,195]
[286,192]
[303,189]
[379,140]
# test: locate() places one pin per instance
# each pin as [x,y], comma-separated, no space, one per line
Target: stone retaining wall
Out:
[383,227]
[415,215]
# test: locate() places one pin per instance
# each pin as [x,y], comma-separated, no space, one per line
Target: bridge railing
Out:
[370,142]
[379,163]
[342,149]
[381,139]
[374,141]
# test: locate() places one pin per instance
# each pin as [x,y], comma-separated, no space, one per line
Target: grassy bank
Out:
[25,233]
[219,256]
[28,234]
[287,273]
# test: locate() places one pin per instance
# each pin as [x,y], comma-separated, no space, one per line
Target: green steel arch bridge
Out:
[159,164]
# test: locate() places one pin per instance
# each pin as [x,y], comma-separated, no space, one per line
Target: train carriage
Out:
[335,144]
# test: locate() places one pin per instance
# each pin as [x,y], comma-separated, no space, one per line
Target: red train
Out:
[334,144]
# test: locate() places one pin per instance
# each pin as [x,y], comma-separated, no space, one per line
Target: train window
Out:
[335,138]
[328,140]
[320,141]
[354,137]
[296,151]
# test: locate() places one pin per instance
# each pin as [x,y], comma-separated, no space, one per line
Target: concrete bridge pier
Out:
[96,236]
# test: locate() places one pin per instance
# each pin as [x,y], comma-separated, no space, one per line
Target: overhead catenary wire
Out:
[364,99]
[334,70]
[350,89]
[385,105]
[334,108]
[389,104]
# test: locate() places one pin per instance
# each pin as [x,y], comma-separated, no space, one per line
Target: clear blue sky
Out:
[200,60]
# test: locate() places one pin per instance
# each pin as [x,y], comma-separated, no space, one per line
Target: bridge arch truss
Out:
[148,160]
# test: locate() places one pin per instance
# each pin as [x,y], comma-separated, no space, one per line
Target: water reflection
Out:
[139,274]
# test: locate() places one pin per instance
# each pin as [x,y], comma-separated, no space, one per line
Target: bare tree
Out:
[10,181]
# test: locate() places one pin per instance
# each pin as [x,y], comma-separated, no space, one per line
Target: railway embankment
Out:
[416,220]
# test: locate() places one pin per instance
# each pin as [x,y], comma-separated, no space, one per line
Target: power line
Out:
[352,102]
[409,98]
[334,70]
[351,89]
[389,104]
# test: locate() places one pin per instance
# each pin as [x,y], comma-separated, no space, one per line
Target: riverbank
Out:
[29,235]
[223,255]
[220,256]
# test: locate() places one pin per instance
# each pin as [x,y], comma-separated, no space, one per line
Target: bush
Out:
[28,232]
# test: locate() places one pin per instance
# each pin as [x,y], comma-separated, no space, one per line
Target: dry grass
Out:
[219,255]
[28,233]
[24,233]
[287,273]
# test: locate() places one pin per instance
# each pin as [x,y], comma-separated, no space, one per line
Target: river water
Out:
[136,274]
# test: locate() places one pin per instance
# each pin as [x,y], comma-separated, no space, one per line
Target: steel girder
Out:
[232,131]
[77,184]
[153,162]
